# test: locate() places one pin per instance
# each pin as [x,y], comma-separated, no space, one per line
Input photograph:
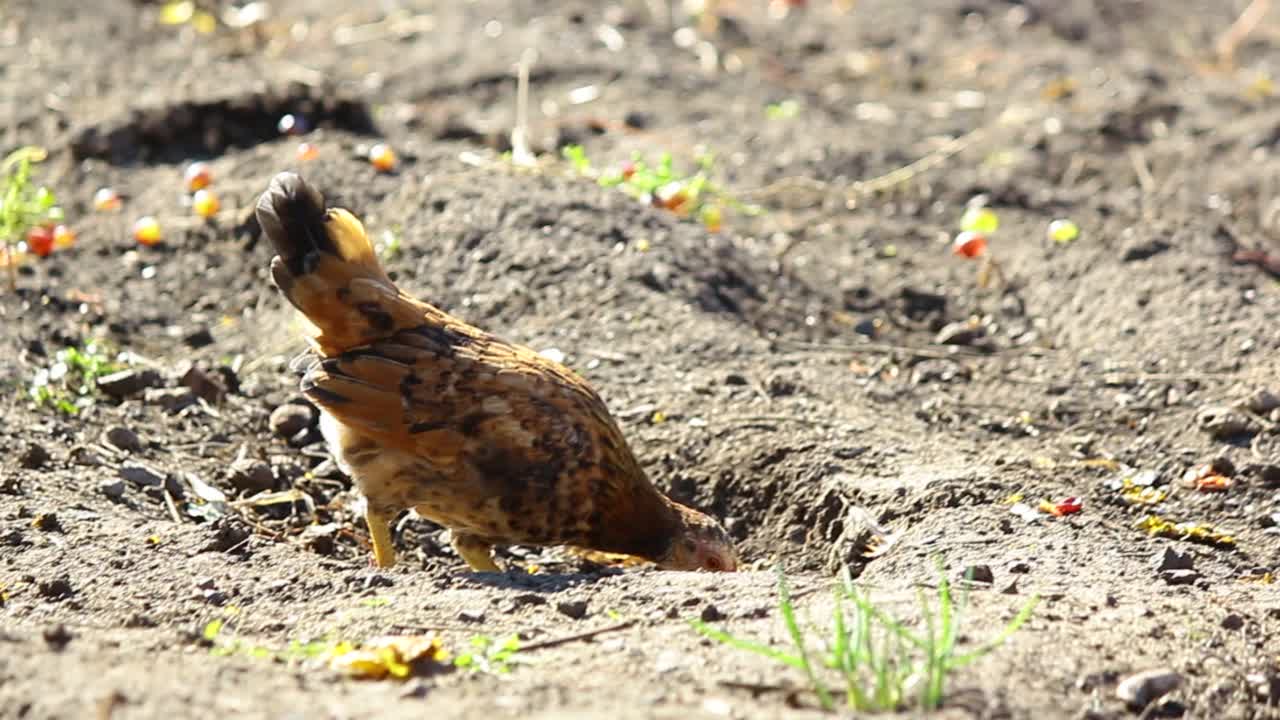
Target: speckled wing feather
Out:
[516,435]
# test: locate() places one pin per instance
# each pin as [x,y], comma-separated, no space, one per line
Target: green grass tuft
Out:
[882,662]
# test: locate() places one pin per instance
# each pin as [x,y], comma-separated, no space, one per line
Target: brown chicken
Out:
[489,439]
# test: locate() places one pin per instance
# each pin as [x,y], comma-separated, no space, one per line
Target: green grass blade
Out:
[1023,615]
[797,637]
[741,644]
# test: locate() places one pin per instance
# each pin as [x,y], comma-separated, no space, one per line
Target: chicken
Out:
[487,438]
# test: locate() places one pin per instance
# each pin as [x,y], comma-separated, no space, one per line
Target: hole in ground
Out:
[178,132]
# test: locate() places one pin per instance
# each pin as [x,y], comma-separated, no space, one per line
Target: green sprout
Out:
[881,661]
[687,194]
[22,205]
[71,382]
[489,655]
[785,110]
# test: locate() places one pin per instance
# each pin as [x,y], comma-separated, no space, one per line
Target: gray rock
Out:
[290,419]
[1261,401]
[959,333]
[576,609]
[113,489]
[251,475]
[128,382]
[141,475]
[204,385]
[34,457]
[124,439]
[1141,689]
[1170,559]
[171,399]
[1223,422]
[1144,249]
[1180,577]
[979,574]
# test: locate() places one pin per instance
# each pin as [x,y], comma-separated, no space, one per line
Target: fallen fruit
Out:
[382,157]
[307,151]
[40,240]
[711,218]
[1063,231]
[205,204]
[291,125]
[106,200]
[63,237]
[969,244]
[198,176]
[146,231]
[980,220]
[1067,506]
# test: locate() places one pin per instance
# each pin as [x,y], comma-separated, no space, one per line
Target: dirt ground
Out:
[808,374]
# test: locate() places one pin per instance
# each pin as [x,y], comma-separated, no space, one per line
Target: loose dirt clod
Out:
[1141,689]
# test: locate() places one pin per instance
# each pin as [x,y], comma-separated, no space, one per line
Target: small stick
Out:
[1245,24]
[589,634]
[173,508]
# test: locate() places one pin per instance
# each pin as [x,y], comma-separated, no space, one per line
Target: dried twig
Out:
[587,635]
[1230,40]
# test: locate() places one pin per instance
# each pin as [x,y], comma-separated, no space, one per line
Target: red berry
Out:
[969,244]
[198,176]
[40,240]
[628,171]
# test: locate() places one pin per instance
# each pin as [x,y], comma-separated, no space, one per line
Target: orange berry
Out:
[106,200]
[146,231]
[628,171]
[198,176]
[40,240]
[969,244]
[382,157]
[63,237]
[205,203]
[307,151]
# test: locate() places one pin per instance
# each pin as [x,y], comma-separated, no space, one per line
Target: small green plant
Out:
[225,643]
[685,194]
[489,655]
[71,382]
[785,110]
[23,206]
[882,662]
[389,244]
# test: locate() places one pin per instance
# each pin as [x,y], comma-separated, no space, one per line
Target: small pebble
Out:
[1144,249]
[173,400]
[1232,622]
[1261,402]
[1180,577]
[978,574]
[959,333]
[475,614]
[1140,690]
[204,385]
[576,609]
[48,522]
[57,637]
[34,457]
[1171,559]
[113,489]
[290,419]
[1222,422]
[141,475]
[124,439]
[251,475]
[56,589]
[711,613]
[128,382]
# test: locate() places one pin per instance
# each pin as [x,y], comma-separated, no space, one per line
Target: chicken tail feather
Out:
[327,268]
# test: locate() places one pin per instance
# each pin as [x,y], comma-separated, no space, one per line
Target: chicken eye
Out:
[713,564]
